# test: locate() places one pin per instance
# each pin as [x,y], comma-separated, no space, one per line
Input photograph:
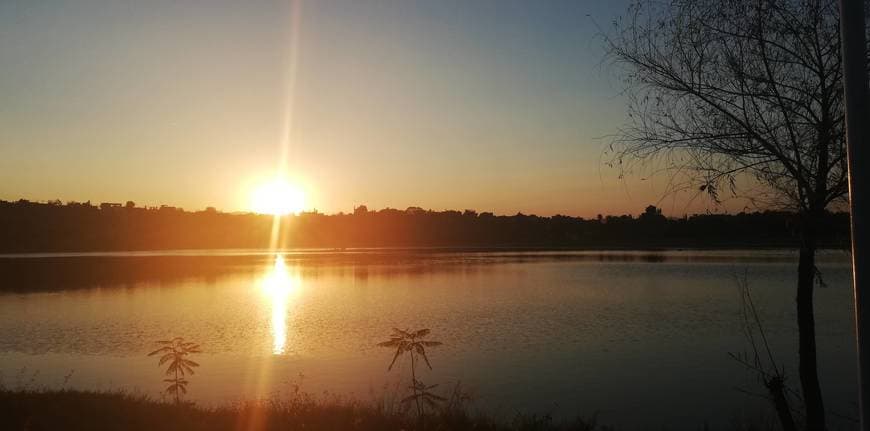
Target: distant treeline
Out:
[27,226]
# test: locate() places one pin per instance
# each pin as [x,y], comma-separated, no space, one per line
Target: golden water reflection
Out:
[280,285]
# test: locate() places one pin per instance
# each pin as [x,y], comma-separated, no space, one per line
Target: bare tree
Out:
[742,97]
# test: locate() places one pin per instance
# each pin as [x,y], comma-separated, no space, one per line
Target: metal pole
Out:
[855,86]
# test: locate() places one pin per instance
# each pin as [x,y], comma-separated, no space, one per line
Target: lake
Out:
[641,338]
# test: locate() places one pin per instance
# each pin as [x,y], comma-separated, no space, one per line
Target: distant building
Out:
[109,205]
[651,213]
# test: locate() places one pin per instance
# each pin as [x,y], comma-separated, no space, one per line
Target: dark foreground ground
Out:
[78,410]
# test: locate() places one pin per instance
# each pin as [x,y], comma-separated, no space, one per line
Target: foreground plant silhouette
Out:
[175,351]
[761,359]
[413,342]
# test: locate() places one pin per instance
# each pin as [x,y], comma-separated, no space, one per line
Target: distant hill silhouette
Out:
[27,226]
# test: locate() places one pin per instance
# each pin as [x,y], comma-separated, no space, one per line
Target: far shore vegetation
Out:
[55,226]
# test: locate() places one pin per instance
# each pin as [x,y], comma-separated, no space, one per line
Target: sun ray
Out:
[279,312]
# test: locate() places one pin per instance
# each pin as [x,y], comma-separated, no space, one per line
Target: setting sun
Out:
[277,197]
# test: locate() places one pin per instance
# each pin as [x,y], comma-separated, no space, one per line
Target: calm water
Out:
[642,338]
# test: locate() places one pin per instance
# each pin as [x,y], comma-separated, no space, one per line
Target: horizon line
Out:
[106,205]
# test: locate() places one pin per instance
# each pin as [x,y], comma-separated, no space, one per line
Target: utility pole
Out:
[855,87]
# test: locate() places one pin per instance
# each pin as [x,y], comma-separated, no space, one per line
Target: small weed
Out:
[175,351]
[413,342]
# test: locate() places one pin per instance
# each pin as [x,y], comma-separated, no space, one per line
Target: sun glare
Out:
[278,197]
[279,285]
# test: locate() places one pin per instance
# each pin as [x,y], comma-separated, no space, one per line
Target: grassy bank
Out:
[35,410]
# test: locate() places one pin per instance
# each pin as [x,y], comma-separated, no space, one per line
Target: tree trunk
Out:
[808,368]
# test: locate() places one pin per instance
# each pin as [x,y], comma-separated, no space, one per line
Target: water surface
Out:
[642,338]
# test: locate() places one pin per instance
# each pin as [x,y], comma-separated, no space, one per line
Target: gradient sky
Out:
[498,105]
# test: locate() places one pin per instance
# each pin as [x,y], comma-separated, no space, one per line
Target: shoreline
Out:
[422,250]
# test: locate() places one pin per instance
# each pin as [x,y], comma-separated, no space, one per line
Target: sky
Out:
[493,105]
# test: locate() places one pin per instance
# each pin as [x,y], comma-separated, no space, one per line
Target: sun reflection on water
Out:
[279,285]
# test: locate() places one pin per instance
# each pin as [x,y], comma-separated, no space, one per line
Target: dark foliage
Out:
[77,410]
[54,227]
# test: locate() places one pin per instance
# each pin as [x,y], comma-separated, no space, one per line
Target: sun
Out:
[277,197]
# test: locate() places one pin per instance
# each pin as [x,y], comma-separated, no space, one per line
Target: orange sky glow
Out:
[442,105]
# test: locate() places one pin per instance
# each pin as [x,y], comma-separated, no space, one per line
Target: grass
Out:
[34,410]
[26,406]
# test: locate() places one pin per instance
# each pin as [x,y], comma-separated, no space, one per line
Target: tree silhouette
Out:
[746,97]
[175,351]
[45,227]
